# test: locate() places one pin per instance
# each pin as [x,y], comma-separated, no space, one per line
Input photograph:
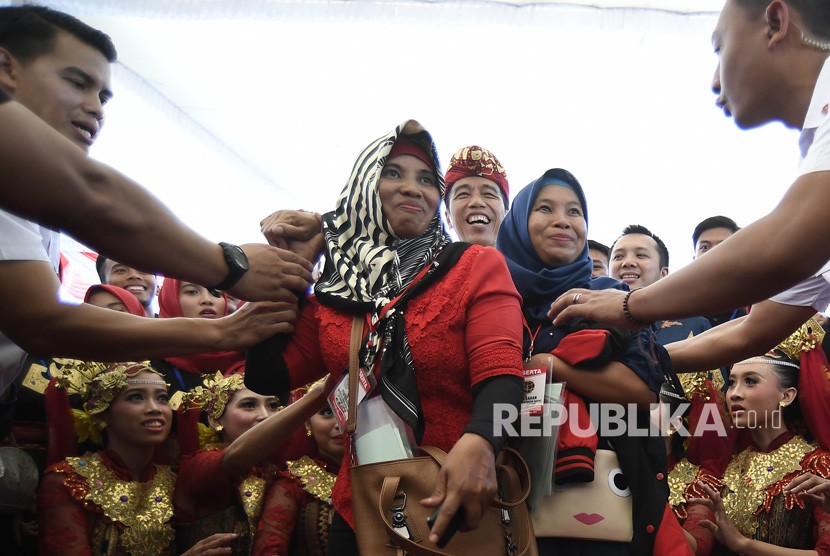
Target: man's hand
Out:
[255,322]
[299,231]
[604,306]
[273,275]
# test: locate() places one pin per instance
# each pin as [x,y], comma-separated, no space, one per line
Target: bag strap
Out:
[354,352]
[388,492]
[509,461]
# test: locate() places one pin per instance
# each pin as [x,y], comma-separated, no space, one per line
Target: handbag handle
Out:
[520,470]
[388,491]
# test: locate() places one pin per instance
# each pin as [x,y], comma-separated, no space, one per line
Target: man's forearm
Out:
[38,322]
[51,181]
[767,324]
[765,258]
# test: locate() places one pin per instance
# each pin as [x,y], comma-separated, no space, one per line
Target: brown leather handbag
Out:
[388,515]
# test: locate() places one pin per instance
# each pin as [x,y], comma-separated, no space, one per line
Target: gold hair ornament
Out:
[806,337]
[310,386]
[98,383]
[87,428]
[207,436]
[215,393]
[695,383]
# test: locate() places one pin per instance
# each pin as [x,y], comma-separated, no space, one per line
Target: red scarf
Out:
[130,301]
[169,307]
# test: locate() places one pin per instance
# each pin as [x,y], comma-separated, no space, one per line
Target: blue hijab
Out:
[538,284]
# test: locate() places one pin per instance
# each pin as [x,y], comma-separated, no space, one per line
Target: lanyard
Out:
[375,319]
[532,336]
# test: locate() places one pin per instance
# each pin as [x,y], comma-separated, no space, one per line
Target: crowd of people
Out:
[217,426]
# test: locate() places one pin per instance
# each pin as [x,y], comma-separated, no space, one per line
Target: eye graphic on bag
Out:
[618,483]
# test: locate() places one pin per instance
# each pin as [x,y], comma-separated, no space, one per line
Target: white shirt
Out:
[815,157]
[21,240]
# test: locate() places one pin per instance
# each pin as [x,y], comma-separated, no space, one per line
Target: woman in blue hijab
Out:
[544,240]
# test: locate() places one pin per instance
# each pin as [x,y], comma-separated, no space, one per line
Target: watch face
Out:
[238,256]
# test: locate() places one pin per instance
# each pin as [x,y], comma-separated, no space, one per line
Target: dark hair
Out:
[99,266]
[662,250]
[815,14]
[713,222]
[788,378]
[29,31]
[597,246]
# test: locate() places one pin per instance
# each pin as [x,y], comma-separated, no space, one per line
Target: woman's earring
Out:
[782,403]
[218,428]
[308,431]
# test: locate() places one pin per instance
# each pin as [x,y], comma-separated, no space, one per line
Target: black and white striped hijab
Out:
[367,266]
[366,261]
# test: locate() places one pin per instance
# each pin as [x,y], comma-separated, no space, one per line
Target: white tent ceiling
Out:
[228,110]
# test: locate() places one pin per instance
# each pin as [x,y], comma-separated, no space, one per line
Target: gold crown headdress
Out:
[303,390]
[97,383]
[805,338]
[215,393]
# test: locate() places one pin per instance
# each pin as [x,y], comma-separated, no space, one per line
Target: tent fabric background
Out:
[228,110]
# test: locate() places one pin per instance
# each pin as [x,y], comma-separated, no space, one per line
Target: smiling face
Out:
[67,87]
[140,413]
[141,284]
[409,195]
[557,226]
[245,410]
[636,261]
[476,210]
[327,435]
[754,395]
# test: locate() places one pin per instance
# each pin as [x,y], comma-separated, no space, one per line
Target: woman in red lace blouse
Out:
[444,352]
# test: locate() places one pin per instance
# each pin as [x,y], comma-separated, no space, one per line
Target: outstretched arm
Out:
[53,182]
[259,442]
[36,320]
[770,255]
[761,330]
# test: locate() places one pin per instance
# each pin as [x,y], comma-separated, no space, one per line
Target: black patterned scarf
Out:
[367,266]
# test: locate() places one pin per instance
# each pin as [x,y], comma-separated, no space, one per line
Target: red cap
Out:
[477,161]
